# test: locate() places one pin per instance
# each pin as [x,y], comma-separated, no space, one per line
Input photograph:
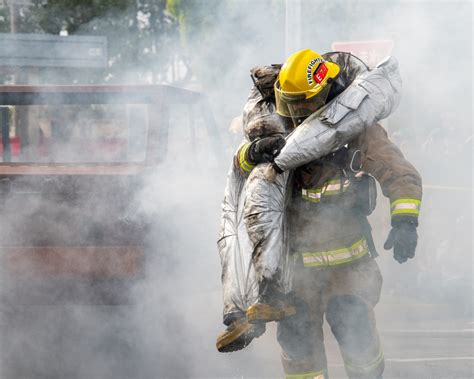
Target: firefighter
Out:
[336,275]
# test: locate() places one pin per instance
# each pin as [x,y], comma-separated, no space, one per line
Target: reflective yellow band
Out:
[406,206]
[331,187]
[307,375]
[312,194]
[336,257]
[359,369]
[244,164]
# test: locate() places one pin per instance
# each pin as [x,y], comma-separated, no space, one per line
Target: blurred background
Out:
[208,47]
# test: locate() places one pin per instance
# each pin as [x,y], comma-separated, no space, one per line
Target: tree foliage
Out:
[140,34]
[56,15]
[159,41]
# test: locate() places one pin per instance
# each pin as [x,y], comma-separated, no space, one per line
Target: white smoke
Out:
[170,330]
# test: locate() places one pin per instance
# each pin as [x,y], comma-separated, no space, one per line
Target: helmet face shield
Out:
[303,84]
[296,104]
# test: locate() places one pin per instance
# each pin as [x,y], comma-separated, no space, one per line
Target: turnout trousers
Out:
[346,294]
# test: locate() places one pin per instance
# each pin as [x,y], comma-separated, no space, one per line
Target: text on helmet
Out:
[309,69]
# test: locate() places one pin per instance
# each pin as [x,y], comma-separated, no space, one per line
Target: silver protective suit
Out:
[253,236]
[372,96]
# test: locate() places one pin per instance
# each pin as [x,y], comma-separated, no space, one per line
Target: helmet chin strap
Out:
[297,121]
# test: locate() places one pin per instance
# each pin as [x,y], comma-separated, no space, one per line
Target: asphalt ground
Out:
[102,342]
[411,354]
[423,353]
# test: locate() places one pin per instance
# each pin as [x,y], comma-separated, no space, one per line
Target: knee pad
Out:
[348,317]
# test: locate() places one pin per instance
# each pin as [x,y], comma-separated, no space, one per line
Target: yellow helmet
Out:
[303,84]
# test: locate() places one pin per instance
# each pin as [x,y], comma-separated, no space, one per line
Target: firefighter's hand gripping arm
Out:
[401,183]
[261,150]
[265,149]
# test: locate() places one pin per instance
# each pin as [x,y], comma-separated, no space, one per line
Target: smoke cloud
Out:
[168,327]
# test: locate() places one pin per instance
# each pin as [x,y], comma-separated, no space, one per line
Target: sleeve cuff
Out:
[244,163]
[406,208]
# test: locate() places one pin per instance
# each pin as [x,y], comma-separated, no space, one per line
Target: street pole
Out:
[13,22]
[13,18]
[293,21]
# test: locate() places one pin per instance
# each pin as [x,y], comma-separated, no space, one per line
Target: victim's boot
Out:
[238,334]
[272,305]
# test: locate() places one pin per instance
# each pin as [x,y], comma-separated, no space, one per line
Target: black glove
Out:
[265,149]
[402,238]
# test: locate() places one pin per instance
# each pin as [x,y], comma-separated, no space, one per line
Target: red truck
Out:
[73,160]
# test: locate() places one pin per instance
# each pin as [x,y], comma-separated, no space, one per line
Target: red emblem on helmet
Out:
[320,73]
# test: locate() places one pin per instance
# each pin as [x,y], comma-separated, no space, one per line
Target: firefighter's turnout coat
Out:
[307,213]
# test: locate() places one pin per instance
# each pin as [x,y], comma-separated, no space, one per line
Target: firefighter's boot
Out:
[272,305]
[261,312]
[238,335]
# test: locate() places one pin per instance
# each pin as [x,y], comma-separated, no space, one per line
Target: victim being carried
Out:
[254,240]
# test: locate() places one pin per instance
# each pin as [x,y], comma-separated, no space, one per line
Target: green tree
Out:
[4,20]
[214,33]
[140,35]
[136,31]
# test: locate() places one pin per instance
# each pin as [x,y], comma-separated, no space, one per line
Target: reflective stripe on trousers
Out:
[307,375]
[337,256]
[372,369]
